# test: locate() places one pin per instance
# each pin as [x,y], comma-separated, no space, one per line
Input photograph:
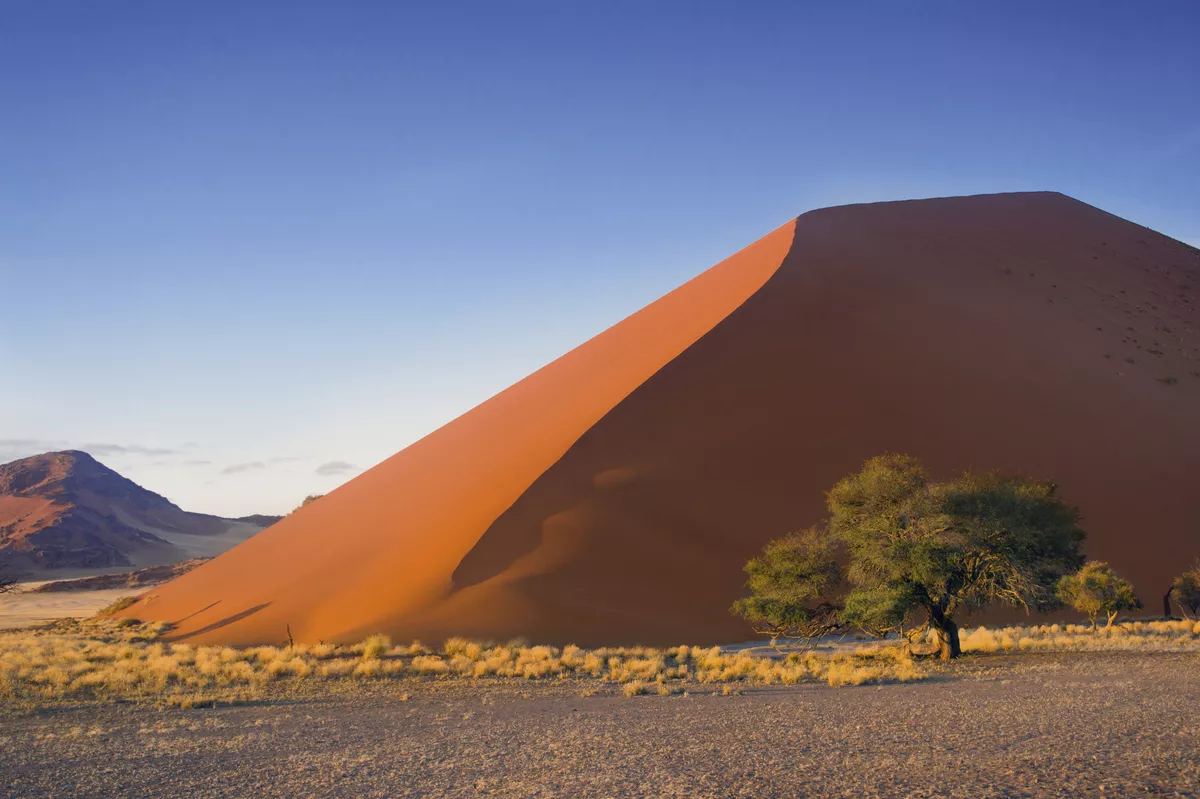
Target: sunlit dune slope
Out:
[613,496]
[388,541]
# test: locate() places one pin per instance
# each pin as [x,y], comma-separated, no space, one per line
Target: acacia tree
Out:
[788,585]
[925,551]
[1185,592]
[1096,589]
[934,550]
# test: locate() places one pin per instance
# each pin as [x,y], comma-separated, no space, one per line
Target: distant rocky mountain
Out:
[139,578]
[66,511]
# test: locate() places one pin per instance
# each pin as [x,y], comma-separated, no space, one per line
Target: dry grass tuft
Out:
[375,646]
[119,604]
[1142,636]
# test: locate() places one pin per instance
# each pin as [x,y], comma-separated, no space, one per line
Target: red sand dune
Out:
[613,496]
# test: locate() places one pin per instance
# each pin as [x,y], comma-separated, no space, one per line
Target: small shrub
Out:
[117,606]
[1185,592]
[375,646]
[430,664]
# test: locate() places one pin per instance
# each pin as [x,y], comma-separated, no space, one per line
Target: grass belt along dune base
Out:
[106,659]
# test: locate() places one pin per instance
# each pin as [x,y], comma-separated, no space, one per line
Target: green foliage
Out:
[788,583]
[915,548]
[1185,592]
[1096,589]
[936,549]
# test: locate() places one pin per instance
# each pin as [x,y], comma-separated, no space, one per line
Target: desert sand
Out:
[26,608]
[613,496]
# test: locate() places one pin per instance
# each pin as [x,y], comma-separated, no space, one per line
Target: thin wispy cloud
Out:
[38,444]
[25,447]
[15,448]
[197,463]
[334,468]
[249,466]
[100,450]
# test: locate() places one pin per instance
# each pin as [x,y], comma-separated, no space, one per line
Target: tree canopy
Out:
[1096,589]
[915,549]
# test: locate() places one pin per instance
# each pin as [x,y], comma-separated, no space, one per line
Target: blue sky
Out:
[243,241]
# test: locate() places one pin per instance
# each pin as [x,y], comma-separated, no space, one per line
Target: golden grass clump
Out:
[1146,636]
[119,604]
[375,646]
[429,664]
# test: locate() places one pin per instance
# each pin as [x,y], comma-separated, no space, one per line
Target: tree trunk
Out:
[947,635]
[1112,616]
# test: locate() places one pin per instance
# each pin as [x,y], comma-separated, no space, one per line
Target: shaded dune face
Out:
[979,332]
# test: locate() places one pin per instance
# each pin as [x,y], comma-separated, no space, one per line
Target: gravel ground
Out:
[1096,725]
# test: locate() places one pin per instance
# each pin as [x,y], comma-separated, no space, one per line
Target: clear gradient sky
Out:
[240,242]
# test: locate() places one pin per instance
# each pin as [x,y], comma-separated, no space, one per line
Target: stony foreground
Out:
[1035,725]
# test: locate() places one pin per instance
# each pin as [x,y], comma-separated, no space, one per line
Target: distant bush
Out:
[310,499]
[1096,589]
[1185,592]
[117,606]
